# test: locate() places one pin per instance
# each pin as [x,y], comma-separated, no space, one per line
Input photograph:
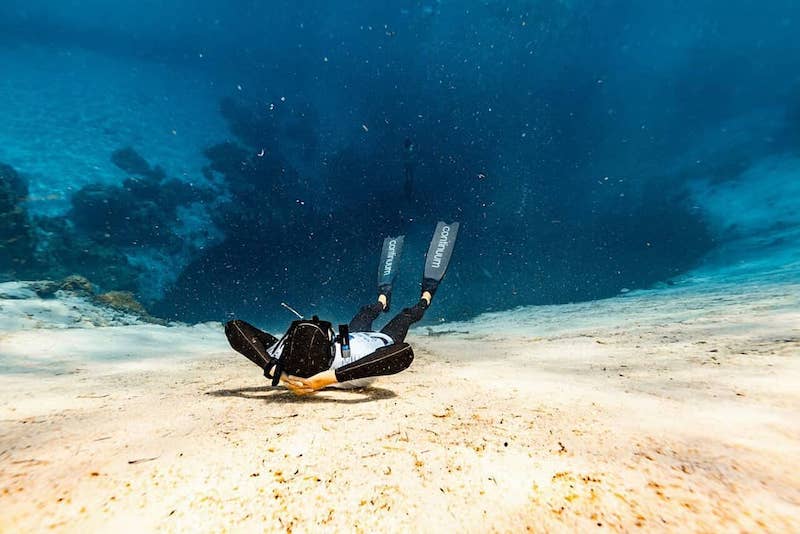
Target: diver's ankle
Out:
[382,299]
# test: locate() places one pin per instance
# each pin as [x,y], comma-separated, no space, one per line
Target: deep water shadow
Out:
[338,396]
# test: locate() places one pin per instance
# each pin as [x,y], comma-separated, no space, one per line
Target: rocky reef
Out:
[77,286]
[109,233]
[139,212]
[68,303]
[16,235]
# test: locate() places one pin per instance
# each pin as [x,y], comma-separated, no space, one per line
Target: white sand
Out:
[667,410]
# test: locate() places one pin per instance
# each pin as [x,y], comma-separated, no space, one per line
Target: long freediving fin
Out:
[438,257]
[387,268]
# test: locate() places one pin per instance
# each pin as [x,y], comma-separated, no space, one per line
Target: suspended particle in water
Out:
[364,126]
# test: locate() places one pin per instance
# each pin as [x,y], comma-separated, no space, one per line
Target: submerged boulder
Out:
[64,251]
[123,301]
[16,236]
[133,163]
[76,284]
[126,302]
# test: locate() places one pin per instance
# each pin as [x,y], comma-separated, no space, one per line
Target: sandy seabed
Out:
[671,410]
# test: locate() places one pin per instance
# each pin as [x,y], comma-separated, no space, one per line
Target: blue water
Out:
[219,158]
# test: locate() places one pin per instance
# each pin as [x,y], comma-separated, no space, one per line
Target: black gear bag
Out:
[307,348]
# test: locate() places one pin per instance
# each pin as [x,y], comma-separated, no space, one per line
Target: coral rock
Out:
[122,301]
[76,284]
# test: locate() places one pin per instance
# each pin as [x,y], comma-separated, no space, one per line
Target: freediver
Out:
[310,356]
[409,163]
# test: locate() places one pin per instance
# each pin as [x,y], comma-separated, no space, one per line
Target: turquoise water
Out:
[217,159]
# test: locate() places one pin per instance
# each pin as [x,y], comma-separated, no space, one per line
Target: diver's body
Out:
[359,355]
[409,163]
[369,353]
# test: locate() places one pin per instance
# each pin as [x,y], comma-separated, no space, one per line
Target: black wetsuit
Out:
[310,346]
[395,356]
[397,328]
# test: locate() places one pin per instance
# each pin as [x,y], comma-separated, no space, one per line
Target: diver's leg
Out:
[384,361]
[436,261]
[397,328]
[251,342]
[362,322]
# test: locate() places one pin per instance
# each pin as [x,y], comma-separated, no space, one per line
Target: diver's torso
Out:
[361,344]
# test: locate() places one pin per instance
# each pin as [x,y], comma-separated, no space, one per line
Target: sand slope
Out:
[669,410]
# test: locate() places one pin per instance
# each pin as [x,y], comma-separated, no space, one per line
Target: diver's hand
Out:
[306,386]
[296,384]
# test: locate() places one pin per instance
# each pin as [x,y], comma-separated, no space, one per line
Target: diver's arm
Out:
[304,386]
[384,361]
